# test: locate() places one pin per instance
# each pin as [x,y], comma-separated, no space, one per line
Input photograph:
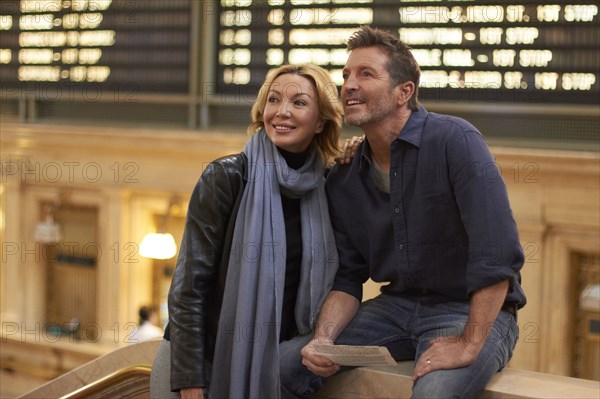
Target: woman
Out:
[258,254]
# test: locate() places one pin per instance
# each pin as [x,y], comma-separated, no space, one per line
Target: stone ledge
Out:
[395,382]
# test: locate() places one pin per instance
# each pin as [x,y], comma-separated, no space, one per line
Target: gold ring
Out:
[427,361]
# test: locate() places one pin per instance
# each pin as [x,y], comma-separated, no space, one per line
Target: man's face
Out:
[367,93]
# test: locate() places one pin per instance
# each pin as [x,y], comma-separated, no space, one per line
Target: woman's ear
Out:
[320,126]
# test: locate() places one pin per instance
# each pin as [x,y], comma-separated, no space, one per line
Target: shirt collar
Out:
[365,155]
[413,130]
[411,133]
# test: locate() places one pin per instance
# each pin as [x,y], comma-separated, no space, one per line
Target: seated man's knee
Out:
[447,384]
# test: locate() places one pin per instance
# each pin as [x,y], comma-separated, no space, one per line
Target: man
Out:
[148,327]
[418,208]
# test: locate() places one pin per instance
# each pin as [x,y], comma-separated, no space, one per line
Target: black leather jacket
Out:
[198,283]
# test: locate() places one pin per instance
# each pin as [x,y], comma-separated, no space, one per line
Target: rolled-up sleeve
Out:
[353,270]
[494,250]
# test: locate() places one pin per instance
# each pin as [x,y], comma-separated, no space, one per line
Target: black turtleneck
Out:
[294,160]
[293,237]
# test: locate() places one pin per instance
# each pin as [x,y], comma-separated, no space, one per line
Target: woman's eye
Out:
[272,99]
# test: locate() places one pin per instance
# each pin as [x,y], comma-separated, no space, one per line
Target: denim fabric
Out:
[406,326]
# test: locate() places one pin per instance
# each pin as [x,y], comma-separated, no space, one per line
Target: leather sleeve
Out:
[211,208]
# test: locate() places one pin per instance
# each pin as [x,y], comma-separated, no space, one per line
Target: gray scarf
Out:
[246,360]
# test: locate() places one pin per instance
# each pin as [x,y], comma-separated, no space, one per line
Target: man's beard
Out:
[374,112]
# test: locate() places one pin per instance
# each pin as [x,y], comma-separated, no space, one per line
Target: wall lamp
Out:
[160,245]
[48,231]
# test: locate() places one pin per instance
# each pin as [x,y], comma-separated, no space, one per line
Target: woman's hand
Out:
[349,150]
[192,393]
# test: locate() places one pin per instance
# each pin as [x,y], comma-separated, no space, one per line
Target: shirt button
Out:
[397,210]
[401,246]
[424,291]
[395,173]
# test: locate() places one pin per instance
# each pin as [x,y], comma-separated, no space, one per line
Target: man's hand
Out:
[446,353]
[192,393]
[337,311]
[318,365]
[453,352]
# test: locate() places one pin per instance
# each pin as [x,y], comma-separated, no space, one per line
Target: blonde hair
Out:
[330,108]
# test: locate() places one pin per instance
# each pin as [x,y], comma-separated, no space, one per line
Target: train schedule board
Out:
[91,46]
[478,50]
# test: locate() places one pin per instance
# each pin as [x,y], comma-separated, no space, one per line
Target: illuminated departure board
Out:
[469,50]
[127,46]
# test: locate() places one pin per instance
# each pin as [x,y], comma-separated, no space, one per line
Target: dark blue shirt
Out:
[445,229]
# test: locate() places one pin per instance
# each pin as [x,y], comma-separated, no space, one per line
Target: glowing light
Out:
[158,246]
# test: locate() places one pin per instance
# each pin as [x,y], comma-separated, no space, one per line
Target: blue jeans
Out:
[406,326]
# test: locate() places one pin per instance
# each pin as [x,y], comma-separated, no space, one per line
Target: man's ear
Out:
[405,92]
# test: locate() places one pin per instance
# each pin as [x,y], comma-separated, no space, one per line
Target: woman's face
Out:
[291,113]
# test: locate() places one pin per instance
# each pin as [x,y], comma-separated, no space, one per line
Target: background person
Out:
[148,327]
